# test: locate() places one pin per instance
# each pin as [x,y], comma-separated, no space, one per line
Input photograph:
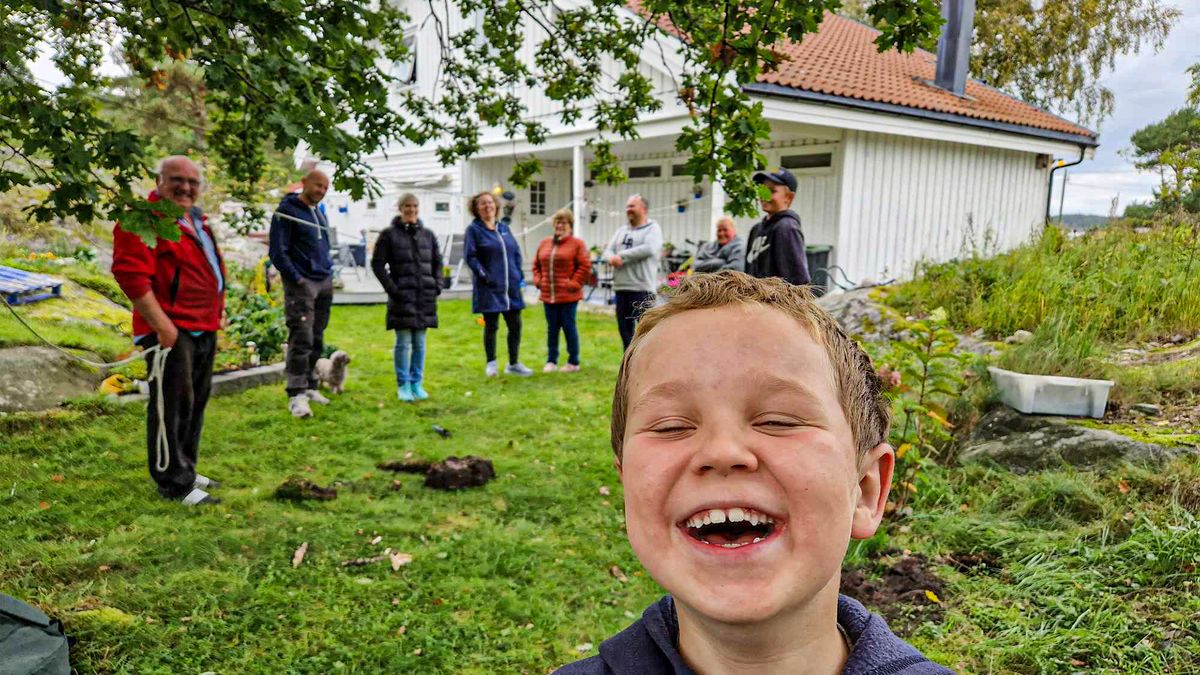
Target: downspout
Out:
[1050,186]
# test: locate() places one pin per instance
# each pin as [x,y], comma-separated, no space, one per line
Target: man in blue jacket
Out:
[300,251]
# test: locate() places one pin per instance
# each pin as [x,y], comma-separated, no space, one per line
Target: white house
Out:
[892,167]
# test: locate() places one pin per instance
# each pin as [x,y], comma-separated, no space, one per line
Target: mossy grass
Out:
[514,576]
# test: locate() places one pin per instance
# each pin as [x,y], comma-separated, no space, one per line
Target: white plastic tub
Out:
[1051,394]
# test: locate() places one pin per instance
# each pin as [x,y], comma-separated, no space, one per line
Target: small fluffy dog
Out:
[332,371]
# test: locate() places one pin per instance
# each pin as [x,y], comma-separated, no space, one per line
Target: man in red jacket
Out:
[178,294]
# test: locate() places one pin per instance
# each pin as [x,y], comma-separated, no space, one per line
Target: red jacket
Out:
[176,271]
[561,269]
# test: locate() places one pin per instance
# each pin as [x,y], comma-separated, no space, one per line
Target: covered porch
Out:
[686,211]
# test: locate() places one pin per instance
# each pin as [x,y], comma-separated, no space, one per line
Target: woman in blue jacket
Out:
[495,261]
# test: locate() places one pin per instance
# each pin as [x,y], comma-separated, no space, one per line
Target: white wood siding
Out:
[904,200]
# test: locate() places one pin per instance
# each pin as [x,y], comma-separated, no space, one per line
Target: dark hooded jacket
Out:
[300,249]
[495,261]
[776,249]
[650,647]
[408,264]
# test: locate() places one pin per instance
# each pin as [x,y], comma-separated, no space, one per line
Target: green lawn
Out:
[516,576]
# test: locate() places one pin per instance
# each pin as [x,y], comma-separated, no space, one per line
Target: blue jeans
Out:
[409,356]
[561,315]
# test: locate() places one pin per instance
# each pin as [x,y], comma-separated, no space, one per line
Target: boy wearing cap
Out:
[749,459]
[776,245]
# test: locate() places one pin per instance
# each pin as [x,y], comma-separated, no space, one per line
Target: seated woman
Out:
[561,267]
[408,264]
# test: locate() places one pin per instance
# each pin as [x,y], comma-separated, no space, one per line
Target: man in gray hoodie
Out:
[633,254]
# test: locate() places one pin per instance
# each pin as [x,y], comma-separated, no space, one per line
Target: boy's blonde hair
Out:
[858,387]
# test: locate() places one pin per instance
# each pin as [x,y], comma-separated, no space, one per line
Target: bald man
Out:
[300,251]
[728,252]
[178,293]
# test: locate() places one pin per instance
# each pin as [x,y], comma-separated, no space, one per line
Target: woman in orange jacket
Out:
[560,269]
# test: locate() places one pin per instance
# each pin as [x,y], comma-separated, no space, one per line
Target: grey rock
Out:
[1019,338]
[859,315]
[1148,409]
[1030,442]
[40,378]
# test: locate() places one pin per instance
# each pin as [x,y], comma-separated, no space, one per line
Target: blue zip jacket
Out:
[495,260]
[299,250]
[651,647]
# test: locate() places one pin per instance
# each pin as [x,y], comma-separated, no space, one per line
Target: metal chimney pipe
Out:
[954,45]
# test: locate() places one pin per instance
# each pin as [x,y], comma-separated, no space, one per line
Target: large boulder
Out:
[859,314]
[1029,442]
[39,378]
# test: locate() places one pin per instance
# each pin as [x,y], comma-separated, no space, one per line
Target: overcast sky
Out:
[1148,86]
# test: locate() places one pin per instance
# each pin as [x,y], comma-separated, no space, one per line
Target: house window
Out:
[679,170]
[649,171]
[405,72]
[814,161]
[441,207]
[537,198]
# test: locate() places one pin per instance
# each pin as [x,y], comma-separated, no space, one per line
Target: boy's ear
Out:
[874,484]
[617,466]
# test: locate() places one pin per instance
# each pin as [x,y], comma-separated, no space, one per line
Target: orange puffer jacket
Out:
[560,269]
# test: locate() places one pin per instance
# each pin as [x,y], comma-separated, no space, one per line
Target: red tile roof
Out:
[842,60]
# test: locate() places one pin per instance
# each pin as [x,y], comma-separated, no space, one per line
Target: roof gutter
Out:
[1050,186]
[781,91]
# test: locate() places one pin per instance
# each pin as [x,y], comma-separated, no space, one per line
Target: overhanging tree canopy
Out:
[280,72]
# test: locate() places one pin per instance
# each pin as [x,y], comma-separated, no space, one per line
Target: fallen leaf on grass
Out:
[43,505]
[377,539]
[298,556]
[401,630]
[933,597]
[584,648]
[1123,487]
[618,574]
[1078,664]
[604,490]
[399,560]
[58,478]
[103,568]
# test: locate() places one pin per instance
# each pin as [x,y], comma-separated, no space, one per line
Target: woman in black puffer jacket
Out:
[409,265]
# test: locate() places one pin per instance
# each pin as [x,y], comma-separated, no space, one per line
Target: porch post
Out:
[577,188]
[717,208]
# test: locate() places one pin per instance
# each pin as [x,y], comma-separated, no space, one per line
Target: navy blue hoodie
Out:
[650,647]
[776,249]
[300,250]
[495,259]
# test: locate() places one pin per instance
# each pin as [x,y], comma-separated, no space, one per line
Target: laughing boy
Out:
[751,438]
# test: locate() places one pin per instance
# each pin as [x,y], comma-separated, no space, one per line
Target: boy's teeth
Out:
[734,515]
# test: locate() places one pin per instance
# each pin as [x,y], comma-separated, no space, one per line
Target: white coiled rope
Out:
[158,367]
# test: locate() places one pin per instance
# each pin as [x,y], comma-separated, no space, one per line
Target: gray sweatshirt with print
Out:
[639,248]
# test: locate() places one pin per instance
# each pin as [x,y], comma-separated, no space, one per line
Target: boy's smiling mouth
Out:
[729,528]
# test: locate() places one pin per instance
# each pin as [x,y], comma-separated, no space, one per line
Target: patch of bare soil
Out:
[300,489]
[907,593]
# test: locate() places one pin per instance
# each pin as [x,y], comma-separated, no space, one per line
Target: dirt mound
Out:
[299,489]
[454,473]
[907,593]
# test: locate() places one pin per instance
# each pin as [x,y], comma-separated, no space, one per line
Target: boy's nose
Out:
[724,454]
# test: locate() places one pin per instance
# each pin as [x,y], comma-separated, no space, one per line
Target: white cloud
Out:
[1147,86]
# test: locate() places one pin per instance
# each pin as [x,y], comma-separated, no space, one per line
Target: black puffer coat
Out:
[408,263]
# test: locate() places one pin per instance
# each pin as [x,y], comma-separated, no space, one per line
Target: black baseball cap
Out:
[780,177]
